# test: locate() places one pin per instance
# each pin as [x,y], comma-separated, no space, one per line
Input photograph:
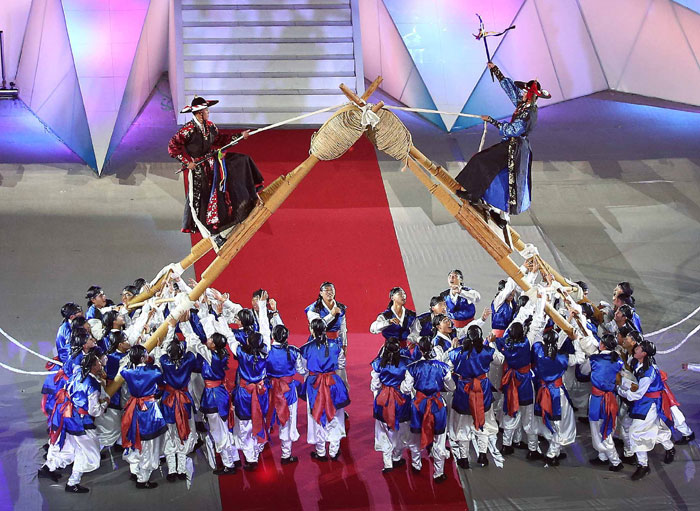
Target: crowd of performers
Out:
[439,383]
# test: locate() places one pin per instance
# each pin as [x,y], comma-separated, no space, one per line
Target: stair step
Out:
[252,119]
[283,102]
[241,84]
[261,16]
[303,33]
[302,67]
[277,49]
[269,75]
[243,4]
[265,7]
[262,92]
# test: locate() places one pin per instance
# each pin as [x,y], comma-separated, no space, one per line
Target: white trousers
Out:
[87,454]
[223,439]
[247,440]
[145,460]
[645,433]
[289,432]
[57,458]
[176,450]
[438,452]
[331,433]
[461,432]
[390,442]
[606,448]
[564,429]
[109,427]
[513,427]
[679,422]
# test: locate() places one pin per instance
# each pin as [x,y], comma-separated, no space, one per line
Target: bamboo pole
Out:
[242,233]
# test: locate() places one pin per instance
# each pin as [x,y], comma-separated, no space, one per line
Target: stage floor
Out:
[616,197]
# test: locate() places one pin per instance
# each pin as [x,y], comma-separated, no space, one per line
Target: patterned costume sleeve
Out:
[513,93]
[512,129]
[176,146]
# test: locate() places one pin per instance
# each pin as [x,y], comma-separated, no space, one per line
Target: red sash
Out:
[332,335]
[510,380]
[278,400]
[667,390]
[212,384]
[498,332]
[323,401]
[256,415]
[427,431]
[665,402]
[544,398]
[64,407]
[177,399]
[388,398]
[476,400]
[128,418]
[461,323]
[611,409]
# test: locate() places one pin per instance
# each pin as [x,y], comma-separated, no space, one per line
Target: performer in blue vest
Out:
[96,300]
[177,364]
[649,413]
[283,362]
[109,424]
[500,175]
[391,407]
[270,304]
[81,342]
[69,312]
[604,368]
[248,325]
[460,300]
[472,415]
[423,325]
[552,402]
[333,314]
[503,307]
[396,320]
[143,425]
[444,337]
[518,393]
[326,394]
[426,380]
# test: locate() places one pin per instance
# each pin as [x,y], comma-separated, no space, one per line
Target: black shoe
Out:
[291,459]
[616,468]
[464,195]
[46,447]
[76,488]
[686,439]
[550,462]
[520,445]
[237,464]
[640,472]
[199,443]
[171,477]
[200,427]
[482,460]
[225,471]
[399,463]
[632,460]
[249,467]
[416,470]
[386,470]
[463,463]
[316,457]
[440,479]
[219,240]
[44,472]
[118,449]
[337,455]
[598,461]
[533,456]
[182,477]
[562,456]
[132,477]
[148,485]
[500,222]
[506,450]
[670,454]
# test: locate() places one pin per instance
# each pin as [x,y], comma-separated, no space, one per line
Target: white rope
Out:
[651,334]
[483,136]
[297,118]
[20,371]
[426,111]
[19,344]
[671,350]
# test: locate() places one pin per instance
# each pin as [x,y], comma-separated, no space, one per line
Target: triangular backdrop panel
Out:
[693,5]
[104,35]
[385,54]
[690,23]
[49,82]
[661,64]
[14,15]
[614,31]
[577,66]
[439,38]
[150,62]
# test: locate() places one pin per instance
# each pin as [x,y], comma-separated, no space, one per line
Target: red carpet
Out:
[336,226]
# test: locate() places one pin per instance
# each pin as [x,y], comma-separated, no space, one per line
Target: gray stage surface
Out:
[616,197]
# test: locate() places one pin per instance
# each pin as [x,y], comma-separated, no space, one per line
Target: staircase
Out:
[269,60]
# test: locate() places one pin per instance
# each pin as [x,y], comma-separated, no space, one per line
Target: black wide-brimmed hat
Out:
[537,91]
[198,104]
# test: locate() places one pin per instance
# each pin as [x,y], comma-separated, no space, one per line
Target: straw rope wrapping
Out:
[391,136]
[338,134]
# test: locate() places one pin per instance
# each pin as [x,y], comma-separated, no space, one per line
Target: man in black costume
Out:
[500,175]
[221,188]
